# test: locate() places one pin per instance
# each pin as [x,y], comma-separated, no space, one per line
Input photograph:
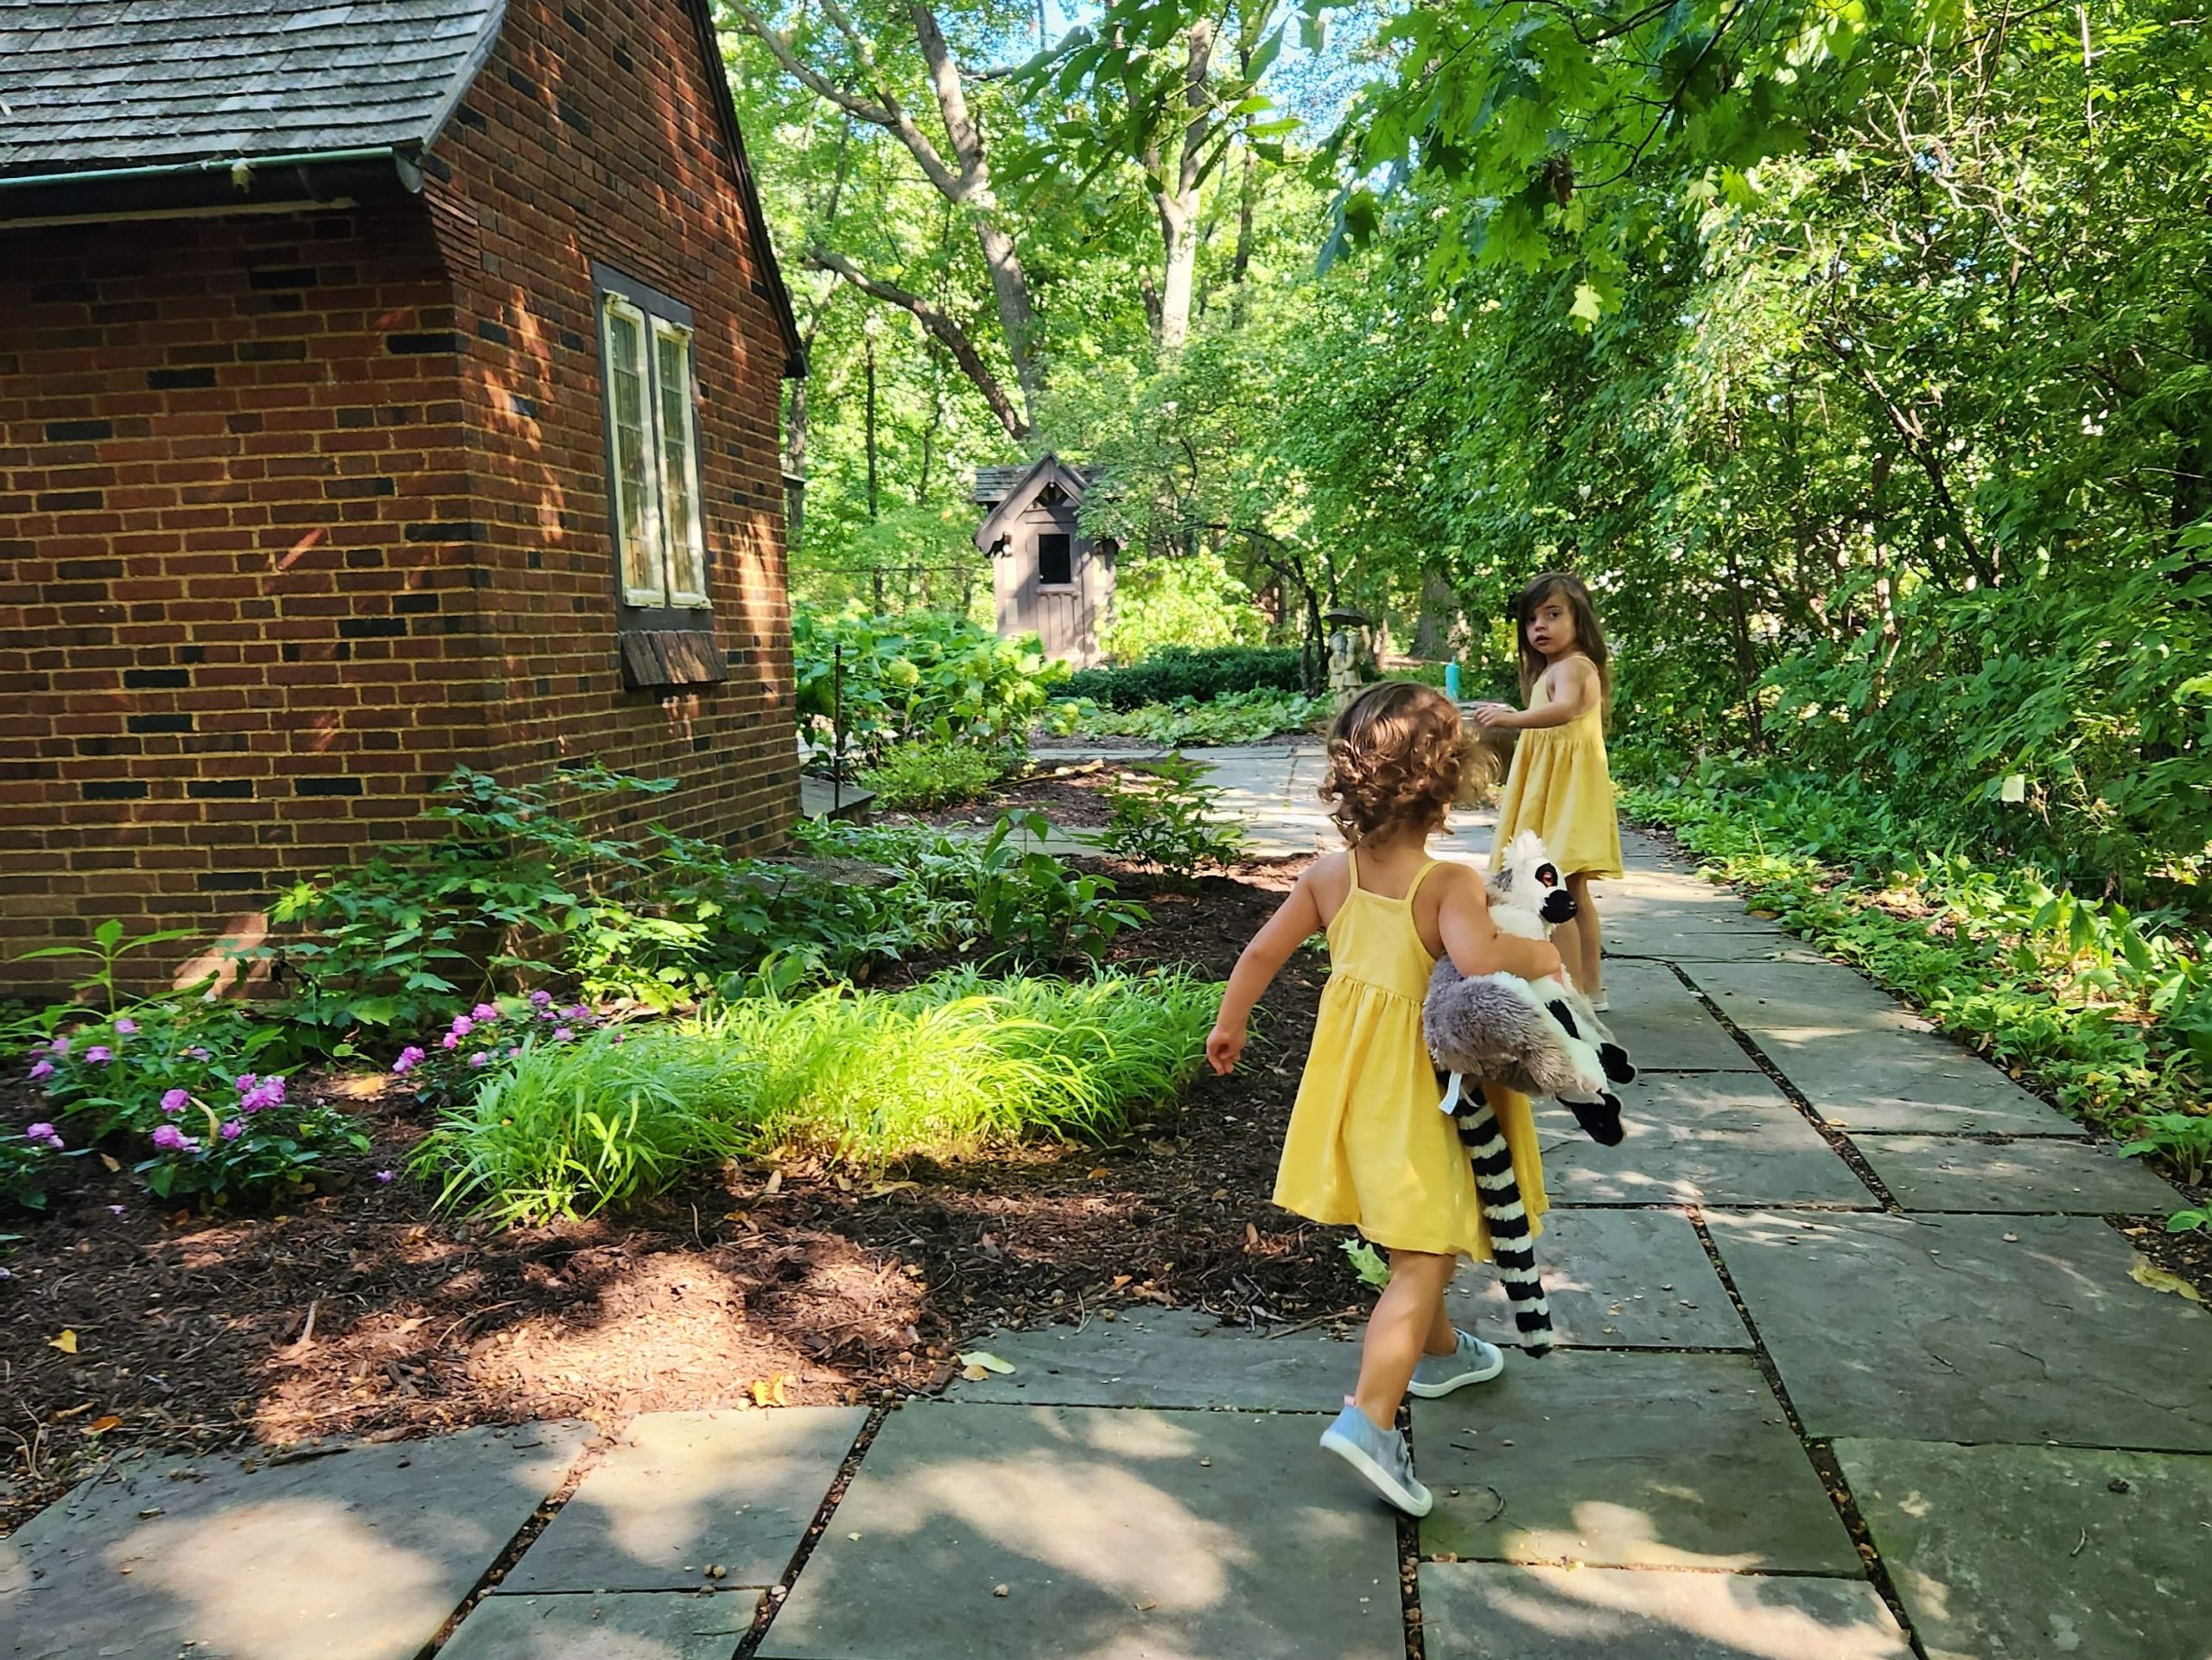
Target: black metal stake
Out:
[838,730]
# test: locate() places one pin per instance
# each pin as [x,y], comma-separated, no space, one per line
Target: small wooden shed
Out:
[1048,578]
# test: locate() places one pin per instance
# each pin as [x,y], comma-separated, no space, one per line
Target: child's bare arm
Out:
[1296,920]
[1475,944]
[1577,687]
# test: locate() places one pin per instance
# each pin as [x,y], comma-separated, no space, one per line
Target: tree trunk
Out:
[1175,194]
[1439,616]
[1248,201]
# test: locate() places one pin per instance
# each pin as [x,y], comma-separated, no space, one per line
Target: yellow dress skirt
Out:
[1368,1144]
[1559,786]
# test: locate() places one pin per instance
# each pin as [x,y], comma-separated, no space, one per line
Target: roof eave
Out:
[245,182]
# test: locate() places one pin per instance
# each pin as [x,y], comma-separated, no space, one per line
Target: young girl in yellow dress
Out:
[1558,785]
[1367,1144]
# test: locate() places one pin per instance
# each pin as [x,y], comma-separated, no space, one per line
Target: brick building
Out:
[382,387]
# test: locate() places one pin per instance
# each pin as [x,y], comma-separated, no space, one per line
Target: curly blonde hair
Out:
[1397,758]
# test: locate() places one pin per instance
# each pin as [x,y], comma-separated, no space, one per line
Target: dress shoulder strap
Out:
[1420,876]
[1351,867]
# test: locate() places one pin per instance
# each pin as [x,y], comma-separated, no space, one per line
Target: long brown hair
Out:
[1589,632]
[1397,754]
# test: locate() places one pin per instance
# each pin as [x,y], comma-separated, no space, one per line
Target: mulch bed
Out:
[365,1313]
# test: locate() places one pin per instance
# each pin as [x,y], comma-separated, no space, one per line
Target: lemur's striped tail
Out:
[1507,1217]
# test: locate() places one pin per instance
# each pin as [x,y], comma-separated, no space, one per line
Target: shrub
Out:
[29,1163]
[249,1143]
[932,774]
[923,675]
[1189,601]
[947,1068]
[1203,674]
[1166,820]
[1242,718]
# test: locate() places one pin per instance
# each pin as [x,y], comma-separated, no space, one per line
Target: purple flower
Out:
[170,1139]
[547,1014]
[246,1081]
[46,1132]
[410,1058]
[462,1026]
[59,1046]
[197,1054]
[563,1034]
[574,1012]
[43,1069]
[621,1036]
[480,1059]
[383,1177]
[233,1129]
[115,1210]
[97,1053]
[483,1013]
[539,999]
[40,1047]
[127,1026]
[175,1102]
[269,1092]
[451,1041]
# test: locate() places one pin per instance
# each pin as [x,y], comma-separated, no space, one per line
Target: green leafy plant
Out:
[926,676]
[1169,818]
[955,1065]
[2183,1139]
[1203,674]
[1031,910]
[1367,1263]
[933,773]
[1240,718]
[255,1147]
[30,1162]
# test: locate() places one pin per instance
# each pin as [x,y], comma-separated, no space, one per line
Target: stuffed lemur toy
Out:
[1541,1039]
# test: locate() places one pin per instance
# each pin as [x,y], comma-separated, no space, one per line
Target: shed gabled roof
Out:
[1026,484]
[106,84]
[138,95]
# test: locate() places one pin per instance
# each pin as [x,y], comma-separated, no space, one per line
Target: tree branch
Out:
[941,327]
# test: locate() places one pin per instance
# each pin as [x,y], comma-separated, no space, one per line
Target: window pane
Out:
[627,416]
[679,469]
[1055,562]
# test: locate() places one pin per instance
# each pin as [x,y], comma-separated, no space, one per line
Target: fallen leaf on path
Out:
[67,1342]
[102,1424]
[983,1361]
[2144,1272]
[1099,1174]
[769,1391]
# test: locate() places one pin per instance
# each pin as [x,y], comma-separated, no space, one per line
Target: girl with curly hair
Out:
[1367,1144]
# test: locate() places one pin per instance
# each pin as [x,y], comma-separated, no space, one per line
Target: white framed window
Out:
[652,447]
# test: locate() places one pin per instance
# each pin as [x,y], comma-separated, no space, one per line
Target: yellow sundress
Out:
[1559,788]
[1367,1143]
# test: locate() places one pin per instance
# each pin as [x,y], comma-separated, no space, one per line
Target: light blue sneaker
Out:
[1473,1362]
[1381,1456]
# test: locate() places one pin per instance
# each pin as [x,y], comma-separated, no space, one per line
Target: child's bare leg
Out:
[1405,1324]
[1587,967]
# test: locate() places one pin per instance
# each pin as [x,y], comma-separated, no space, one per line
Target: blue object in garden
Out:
[1452,681]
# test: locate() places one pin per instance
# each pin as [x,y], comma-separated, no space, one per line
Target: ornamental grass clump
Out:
[951,1068]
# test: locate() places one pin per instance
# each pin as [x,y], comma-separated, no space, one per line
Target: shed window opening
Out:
[1055,561]
[654,442]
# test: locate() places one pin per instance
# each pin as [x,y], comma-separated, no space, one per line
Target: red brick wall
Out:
[274,558]
[592,134]
[235,633]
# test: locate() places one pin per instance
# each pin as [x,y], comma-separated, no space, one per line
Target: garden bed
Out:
[361,1314]
[1073,794]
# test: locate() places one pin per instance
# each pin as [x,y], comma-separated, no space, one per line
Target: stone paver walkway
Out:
[1762,1349]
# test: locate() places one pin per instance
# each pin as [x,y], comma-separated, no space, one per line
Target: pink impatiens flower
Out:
[480,1059]
[43,1069]
[233,1129]
[462,1026]
[563,1034]
[46,1132]
[451,1041]
[126,1026]
[98,1053]
[170,1139]
[384,1177]
[409,1059]
[539,999]
[59,1046]
[483,1013]
[175,1102]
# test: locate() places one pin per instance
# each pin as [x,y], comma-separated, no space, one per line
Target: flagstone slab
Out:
[360,1554]
[633,1626]
[1763,1152]
[2042,1176]
[1625,1460]
[1970,1328]
[1501,1611]
[2042,1551]
[1164,1358]
[1613,1280]
[1075,1533]
[681,1491]
[1663,1026]
[1863,1059]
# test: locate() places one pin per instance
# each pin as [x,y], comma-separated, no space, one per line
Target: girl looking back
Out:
[1558,786]
[1367,1144]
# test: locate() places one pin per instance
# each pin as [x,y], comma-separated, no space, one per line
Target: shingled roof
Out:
[93,85]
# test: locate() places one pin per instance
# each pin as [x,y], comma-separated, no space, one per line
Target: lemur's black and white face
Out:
[1532,878]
